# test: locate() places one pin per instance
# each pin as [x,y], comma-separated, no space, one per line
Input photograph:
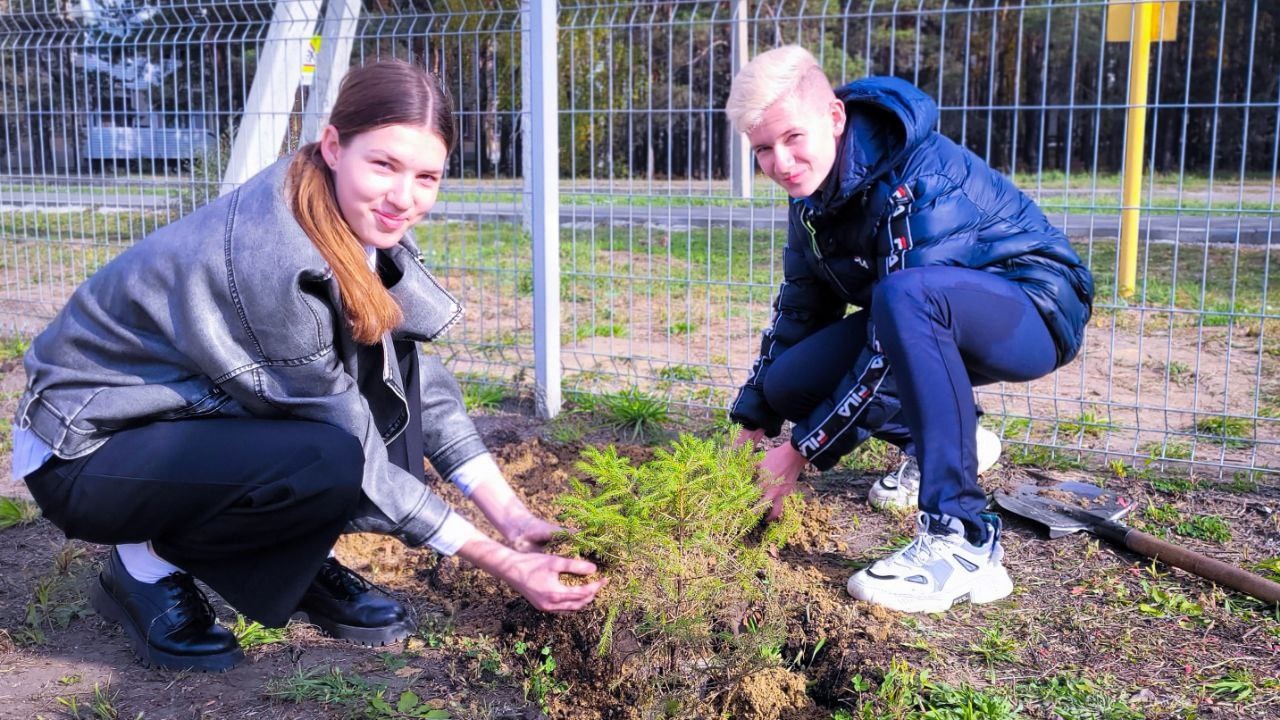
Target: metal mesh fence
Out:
[119,116]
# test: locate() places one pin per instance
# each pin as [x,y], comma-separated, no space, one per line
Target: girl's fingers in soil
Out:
[576,566]
[576,598]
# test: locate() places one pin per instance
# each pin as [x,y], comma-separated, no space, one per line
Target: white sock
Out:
[143,564]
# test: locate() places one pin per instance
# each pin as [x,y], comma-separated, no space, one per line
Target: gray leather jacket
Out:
[231,311]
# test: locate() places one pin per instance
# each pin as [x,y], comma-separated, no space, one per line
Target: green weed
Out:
[600,329]
[1071,697]
[16,511]
[1169,449]
[1240,483]
[1087,424]
[56,601]
[685,373]
[1162,603]
[995,647]
[251,634]
[1174,485]
[1204,527]
[435,630]
[102,706]
[634,414]
[906,694]
[540,682]
[681,328]
[1226,430]
[1162,515]
[483,396]
[353,694]
[872,456]
[1269,567]
[13,347]
[1240,685]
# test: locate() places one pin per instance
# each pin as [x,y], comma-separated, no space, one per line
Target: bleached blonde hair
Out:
[768,78]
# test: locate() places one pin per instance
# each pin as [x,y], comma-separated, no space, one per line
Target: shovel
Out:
[1069,507]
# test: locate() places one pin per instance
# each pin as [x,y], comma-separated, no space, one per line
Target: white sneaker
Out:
[935,572]
[902,487]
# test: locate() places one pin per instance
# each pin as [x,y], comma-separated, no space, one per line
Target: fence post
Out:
[336,37]
[741,165]
[542,177]
[275,87]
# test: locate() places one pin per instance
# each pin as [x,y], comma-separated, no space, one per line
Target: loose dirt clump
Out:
[770,694]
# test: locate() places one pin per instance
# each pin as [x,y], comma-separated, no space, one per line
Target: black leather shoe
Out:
[170,623]
[348,607]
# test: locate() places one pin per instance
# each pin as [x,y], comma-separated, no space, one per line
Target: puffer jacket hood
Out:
[887,119]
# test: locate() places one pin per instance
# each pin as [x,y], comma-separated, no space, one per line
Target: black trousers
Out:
[250,506]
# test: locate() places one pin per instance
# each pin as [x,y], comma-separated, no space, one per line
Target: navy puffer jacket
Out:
[957,211]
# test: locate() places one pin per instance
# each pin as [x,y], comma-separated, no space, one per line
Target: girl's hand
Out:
[536,576]
[528,532]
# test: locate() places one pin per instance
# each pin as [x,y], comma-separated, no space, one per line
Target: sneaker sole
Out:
[991,590]
[368,637]
[109,608]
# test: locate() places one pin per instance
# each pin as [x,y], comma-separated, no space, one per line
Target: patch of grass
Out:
[251,634]
[1072,697]
[1232,432]
[1010,428]
[101,706]
[995,647]
[1173,485]
[354,695]
[681,328]
[1162,515]
[479,396]
[1042,456]
[1169,449]
[1241,685]
[1240,483]
[16,512]
[1180,373]
[13,347]
[1162,603]
[434,630]
[872,456]
[906,694]
[634,414]
[686,373]
[1205,527]
[600,329]
[1087,424]
[56,600]
[1269,568]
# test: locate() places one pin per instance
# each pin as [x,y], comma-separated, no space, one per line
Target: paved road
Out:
[1189,228]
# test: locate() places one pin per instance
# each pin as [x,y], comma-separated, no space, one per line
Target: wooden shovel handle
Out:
[1193,562]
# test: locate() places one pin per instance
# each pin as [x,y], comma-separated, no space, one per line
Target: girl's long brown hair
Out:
[389,92]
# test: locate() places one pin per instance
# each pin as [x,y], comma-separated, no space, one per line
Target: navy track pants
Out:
[944,330]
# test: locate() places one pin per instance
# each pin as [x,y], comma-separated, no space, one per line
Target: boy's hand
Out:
[749,436]
[779,471]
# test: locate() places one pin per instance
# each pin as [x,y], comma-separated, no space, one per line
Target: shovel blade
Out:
[1059,506]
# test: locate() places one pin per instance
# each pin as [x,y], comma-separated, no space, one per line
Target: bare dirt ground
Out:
[1090,632]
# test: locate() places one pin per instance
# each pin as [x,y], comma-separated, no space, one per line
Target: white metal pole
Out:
[275,86]
[336,37]
[543,169]
[741,164]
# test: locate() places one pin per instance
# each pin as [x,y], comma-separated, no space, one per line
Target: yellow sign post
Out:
[1139,24]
